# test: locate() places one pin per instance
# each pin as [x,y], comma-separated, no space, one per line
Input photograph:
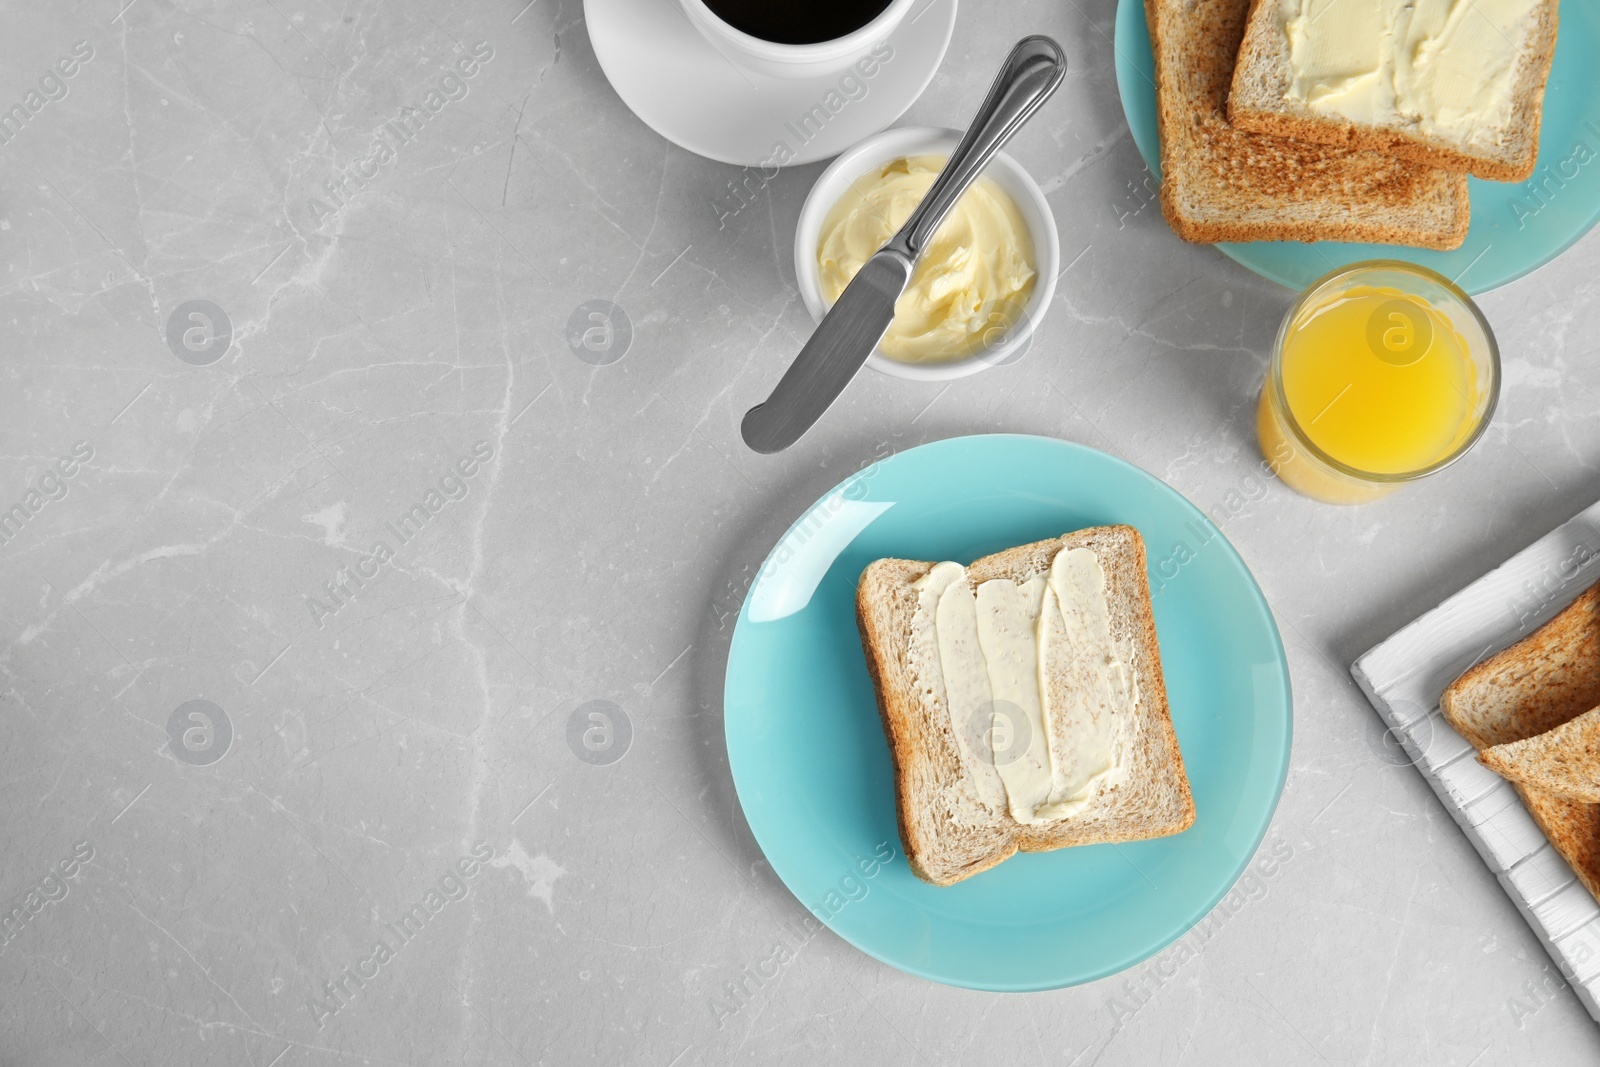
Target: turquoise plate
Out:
[812,768]
[1516,228]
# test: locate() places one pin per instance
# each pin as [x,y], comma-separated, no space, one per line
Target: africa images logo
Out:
[401,130]
[53,85]
[45,489]
[349,580]
[851,86]
[599,733]
[199,332]
[51,888]
[1399,332]
[199,733]
[453,886]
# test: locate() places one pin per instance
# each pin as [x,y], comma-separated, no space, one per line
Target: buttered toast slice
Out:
[1458,86]
[1219,183]
[1545,680]
[1095,760]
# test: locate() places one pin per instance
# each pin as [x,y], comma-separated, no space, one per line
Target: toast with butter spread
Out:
[1023,701]
[1452,85]
[1219,183]
[1547,679]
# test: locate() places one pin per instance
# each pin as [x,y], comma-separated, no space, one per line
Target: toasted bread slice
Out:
[1262,102]
[948,830]
[1223,184]
[1547,679]
[1564,762]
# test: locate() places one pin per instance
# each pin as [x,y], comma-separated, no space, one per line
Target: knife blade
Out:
[853,327]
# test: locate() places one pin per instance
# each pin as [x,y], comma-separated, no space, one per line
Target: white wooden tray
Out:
[1403,678]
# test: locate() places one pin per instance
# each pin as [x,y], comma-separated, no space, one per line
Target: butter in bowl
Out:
[981,286]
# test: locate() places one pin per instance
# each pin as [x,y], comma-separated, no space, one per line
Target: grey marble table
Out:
[231,372]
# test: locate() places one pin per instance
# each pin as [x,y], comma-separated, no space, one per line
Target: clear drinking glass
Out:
[1418,389]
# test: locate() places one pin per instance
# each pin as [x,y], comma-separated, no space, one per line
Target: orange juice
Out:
[1383,373]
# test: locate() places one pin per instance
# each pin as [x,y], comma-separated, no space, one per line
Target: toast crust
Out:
[1545,680]
[1224,184]
[1301,123]
[928,771]
[893,710]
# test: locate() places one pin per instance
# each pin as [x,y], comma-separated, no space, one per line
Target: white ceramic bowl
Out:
[1003,171]
[793,60]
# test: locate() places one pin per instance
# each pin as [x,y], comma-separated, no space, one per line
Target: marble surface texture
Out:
[192,876]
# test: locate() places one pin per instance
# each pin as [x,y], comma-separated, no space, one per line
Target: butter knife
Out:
[859,318]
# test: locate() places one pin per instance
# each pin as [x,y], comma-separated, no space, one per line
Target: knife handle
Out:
[1031,73]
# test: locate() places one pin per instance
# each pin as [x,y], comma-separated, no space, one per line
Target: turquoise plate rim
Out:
[1256,822]
[1580,30]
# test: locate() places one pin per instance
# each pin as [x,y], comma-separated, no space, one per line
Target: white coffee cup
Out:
[775,60]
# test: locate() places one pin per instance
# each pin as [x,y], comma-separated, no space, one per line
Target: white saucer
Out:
[693,95]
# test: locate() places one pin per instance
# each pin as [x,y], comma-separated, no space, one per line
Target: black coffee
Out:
[797,21]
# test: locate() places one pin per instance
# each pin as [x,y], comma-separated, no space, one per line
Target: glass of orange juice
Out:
[1383,373]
